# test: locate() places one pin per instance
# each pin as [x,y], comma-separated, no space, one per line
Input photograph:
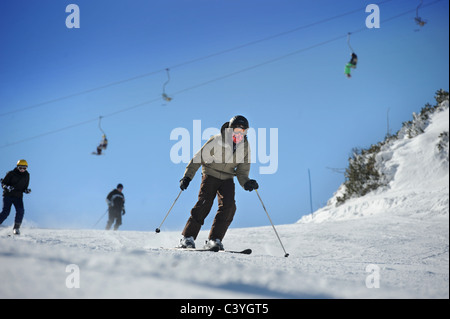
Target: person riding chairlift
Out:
[351,65]
[102,146]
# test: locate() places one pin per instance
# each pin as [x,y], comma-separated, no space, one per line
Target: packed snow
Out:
[391,243]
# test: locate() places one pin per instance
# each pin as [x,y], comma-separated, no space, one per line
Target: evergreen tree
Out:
[363,175]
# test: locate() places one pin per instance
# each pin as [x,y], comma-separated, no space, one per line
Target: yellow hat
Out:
[22,162]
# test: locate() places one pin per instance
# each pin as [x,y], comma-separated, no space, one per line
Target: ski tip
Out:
[245,251]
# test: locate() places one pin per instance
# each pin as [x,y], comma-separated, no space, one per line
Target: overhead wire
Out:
[164,95]
[58,99]
[100,124]
[348,42]
[417,9]
[213,80]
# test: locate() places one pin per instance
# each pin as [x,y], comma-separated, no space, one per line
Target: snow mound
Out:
[417,174]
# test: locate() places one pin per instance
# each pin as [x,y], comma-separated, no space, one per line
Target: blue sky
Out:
[320,115]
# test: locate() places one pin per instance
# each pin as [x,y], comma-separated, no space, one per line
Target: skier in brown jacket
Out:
[222,157]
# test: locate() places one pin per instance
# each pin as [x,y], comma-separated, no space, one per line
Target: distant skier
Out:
[116,209]
[351,65]
[222,157]
[14,185]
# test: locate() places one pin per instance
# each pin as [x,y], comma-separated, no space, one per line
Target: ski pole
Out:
[159,228]
[100,218]
[273,226]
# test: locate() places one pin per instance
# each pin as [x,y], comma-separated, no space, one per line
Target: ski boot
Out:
[213,243]
[187,242]
[16,230]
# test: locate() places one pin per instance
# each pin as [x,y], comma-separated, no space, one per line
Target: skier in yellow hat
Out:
[14,185]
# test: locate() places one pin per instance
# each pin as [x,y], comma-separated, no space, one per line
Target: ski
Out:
[8,232]
[247,251]
[214,249]
[14,234]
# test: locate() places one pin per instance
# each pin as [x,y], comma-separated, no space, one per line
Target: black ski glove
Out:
[184,183]
[251,185]
[8,188]
[123,211]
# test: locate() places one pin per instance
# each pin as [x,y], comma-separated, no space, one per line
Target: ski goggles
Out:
[240,131]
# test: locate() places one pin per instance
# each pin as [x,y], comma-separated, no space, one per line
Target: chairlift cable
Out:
[348,42]
[207,82]
[100,124]
[61,98]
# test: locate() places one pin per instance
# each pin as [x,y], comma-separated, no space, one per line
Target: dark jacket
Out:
[115,200]
[17,179]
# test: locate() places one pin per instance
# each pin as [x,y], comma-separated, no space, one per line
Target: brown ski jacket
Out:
[221,158]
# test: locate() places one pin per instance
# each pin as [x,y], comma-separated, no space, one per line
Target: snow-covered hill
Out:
[392,243]
[327,260]
[418,175]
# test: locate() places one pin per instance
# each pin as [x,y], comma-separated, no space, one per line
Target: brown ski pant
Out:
[209,188]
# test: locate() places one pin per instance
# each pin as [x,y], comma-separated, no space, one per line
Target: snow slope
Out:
[418,175]
[327,260]
[401,231]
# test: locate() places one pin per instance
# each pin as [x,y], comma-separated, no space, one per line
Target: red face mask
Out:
[237,138]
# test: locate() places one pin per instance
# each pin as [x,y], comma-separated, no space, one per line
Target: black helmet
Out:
[239,121]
